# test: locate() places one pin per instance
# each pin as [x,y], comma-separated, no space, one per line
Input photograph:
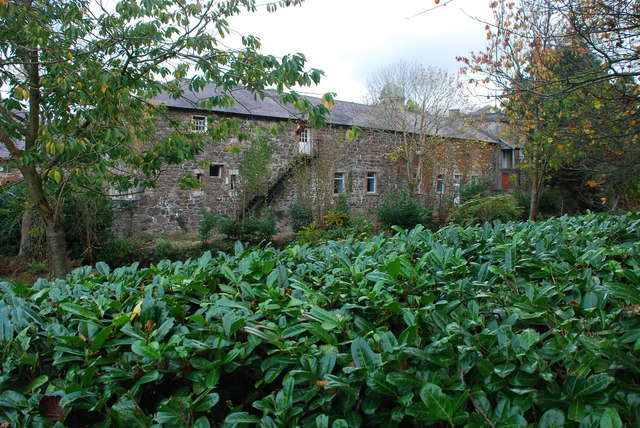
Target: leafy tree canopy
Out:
[76,79]
[567,74]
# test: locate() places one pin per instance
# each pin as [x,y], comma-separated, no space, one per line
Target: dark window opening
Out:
[372,185]
[215,170]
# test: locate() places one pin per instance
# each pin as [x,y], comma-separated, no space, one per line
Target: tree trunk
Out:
[56,248]
[54,232]
[25,237]
[616,202]
[535,196]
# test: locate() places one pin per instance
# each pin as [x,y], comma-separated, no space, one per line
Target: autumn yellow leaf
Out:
[136,311]
[592,183]
[559,146]
[55,174]
[327,101]
[104,87]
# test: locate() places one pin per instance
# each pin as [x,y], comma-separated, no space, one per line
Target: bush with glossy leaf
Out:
[479,210]
[403,210]
[514,324]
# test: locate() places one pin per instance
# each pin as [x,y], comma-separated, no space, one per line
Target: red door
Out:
[506,181]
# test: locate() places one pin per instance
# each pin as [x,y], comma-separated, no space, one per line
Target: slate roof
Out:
[4,153]
[343,113]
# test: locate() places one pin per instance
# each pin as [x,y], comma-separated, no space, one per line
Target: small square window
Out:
[199,123]
[372,182]
[338,183]
[215,170]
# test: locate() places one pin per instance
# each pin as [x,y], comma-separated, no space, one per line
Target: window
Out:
[440,184]
[507,161]
[199,177]
[456,189]
[199,123]
[215,170]
[372,182]
[338,183]
[474,179]
[233,181]
[304,142]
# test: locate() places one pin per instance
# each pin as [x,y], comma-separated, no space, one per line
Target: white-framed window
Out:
[215,170]
[304,142]
[440,184]
[338,183]
[456,189]
[199,123]
[372,182]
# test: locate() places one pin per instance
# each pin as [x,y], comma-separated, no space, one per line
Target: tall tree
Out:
[77,77]
[552,81]
[421,103]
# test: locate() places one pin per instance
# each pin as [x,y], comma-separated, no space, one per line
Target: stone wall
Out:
[310,177]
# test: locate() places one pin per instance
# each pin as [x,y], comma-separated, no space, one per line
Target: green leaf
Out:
[504,370]
[328,319]
[371,403]
[590,301]
[103,269]
[528,337]
[322,421]
[202,422]
[13,400]
[205,402]
[403,379]
[437,402]
[284,398]
[362,354]
[340,423]
[101,337]
[75,309]
[212,378]
[37,382]
[141,348]
[577,411]
[552,418]
[231,323]
[241,418]
[610,419]
[593,384]
[149,377]
[378,383]
[382,277]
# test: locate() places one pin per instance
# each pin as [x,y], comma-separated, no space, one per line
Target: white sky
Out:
[351,39]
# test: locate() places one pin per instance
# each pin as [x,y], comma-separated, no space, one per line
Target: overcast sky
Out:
[351,39]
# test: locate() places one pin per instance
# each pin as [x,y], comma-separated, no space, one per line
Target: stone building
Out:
[317,165]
